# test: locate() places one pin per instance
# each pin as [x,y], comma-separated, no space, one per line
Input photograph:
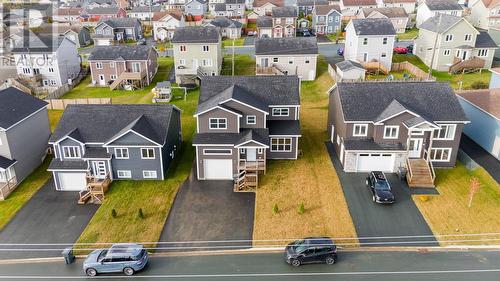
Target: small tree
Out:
[113,213]
[141,213]
[474,187]
[275,208]
[302,209]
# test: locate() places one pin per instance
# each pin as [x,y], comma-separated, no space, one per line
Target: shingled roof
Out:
[264,21]
[39,43]
[484,40]
[224,22]
[326,9]
[121,22]
[284,12]
[196,34]
[359,2]
[440,23]
[259,3]
[441,5]
[286,46]
[115,52]
[373,27]
[15,105]
[393,12]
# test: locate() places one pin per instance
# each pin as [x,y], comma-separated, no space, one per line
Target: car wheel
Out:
[330,260]
[296,263]
[91,272]
[374,199]
[128,271]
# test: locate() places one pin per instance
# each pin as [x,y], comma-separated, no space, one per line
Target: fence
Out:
[59,92]
[413,69]
[60,104]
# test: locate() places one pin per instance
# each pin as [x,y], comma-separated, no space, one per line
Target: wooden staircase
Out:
[420,173]
[460,65]
[124,76]
[247,179]
[94,193]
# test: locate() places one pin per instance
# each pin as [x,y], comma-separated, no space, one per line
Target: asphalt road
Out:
[352,266]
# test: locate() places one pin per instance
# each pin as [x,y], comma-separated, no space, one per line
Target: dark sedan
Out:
[380,188]
[311,250]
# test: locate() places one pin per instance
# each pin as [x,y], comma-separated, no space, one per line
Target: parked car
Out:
[340,51]
[410,49]
[251,33]
[126,258]
[380,188]
[311,250]
[400,50]
[141,41]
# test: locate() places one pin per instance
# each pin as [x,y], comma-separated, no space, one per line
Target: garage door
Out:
[218,169]
[375,162]
[72,181]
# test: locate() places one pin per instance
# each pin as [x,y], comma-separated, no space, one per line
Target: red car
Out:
[401,50]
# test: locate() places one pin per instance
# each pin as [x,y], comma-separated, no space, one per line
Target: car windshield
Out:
[299,246]
[102,255]
[382,185]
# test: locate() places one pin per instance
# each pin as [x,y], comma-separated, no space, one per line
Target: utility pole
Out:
[232,71]
[434,48]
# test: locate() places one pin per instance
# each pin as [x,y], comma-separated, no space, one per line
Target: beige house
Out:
[264,7]
[398,16]
[484,13]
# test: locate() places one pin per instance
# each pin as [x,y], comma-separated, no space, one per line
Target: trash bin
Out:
[68,255]
[402,173]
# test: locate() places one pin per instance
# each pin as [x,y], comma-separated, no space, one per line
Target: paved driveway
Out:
[249,40]
[48,217]
[373,220]
[209,211]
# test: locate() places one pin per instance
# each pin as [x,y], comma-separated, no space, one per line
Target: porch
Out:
[7,187]
[466,64]
[130,78]
[95,190]
[420,173]
[247,179]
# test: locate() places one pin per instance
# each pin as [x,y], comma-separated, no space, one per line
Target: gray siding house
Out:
[306,7]
[241,122]
[97,142]
[388,126]
[117,30]
[326,19]
[196,7]
[24,132]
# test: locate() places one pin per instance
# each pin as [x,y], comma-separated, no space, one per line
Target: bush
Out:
[113,213]
[479,85]
[302,209]
[141,214]
[276,209]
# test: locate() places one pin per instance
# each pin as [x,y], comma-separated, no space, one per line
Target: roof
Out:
[259,3]
[5,163]
[487,100]
[57,164]
[394,12]
[225,23]
[38,44]
[102,11]
[101,123]
[286,46]
[373,27]
[311,2]
[484,40]
[440,5]
[371,101]
[445,23]
[370,144]
[115,52]
[258,135]
[284,12]
[144,9]
[68,11]
[235,1]
[176,14]
[284,127]
[96,153]
[348,65]
[326,9]
[219,7]
[121,22]
[16,105]
[490,3]
[359,2]
[163,84]
[196,34]
[399,1]
[264,21]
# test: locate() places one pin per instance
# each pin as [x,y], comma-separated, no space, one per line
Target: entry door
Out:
[136,67]
[365,57]
[195,63]
[99,168]
[251,154]
[102,82]
[415,148]
[264,62]
[464,55]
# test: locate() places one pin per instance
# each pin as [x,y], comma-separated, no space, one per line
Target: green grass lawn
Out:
[229,42]
[409,34]
[243,65]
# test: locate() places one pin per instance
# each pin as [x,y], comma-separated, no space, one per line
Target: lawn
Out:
[244,65]
[448,213]
[54,116]
[311,180]
[409,34]
[229,42]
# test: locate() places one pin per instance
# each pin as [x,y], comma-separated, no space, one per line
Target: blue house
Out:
[326,19]
[195,7]
[305,7]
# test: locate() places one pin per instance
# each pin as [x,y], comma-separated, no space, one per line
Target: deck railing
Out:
[7,187]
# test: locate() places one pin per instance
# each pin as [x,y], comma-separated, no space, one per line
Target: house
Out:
[326,19]
[47,61]
[351,8]
[79,34]
[121,65]
[229,8]
[68,15]
[264,7]
[165,23]
[430,8]
[370,40]
[143,13]
[241,121]
[484,13]
[305,7]
[196,7]
[349,70]
[95,143]
[398,16]
[265,26]
[388,126]
[228,28]
[175,5]
[197,52]
[117,30]
[456,44]
[287,56]
[99,3]
[101,14]
[284,21]
[410,6]
[494,32]
[24,132]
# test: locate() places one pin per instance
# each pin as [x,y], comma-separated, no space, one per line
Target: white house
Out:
[165,23]
[484,13]
[429,8]
[410,6]
[351,8]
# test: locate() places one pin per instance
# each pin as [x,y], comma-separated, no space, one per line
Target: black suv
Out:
[380,188]
[311,250]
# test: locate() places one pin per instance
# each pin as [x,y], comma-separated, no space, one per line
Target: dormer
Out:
[70,147]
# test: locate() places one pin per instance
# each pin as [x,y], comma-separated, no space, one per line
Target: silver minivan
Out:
[126,258]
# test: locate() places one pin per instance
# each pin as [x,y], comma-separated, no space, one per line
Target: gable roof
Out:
[484,40]
[259,3]
[435,24]
[121,22]
[326,9]
[311,2]
[264,21]
[225,23]
[348,65]
[393,12]
[373,27]
[488,100]
[126,52]
[367,101]
[103,11]
[359,2]
[284,12]
[15,105]
[68,11]
[41,43]
[196,34]
[144,9]
[286,45]
[441,5]
[101,123]
[176,14]
[490,3]
[399,1]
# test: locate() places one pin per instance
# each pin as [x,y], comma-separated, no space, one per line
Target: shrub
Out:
[302,209]
[479,85]
[276,209]
[141,213]
[113,213]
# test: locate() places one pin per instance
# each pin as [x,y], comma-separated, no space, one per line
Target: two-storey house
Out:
[117,30]
[143,13]
[351,8]
[93,16]
[241,121]
[165,23]
[284,21]
[197,52]
[46,61]
[451,43]
[305,7]
[174,5]
[74,32]
[326,19]
[484,13]
[97,143]
[123,66]
[398,16]
[67,15]
[264,26]
[430,8]
[410,6]
[227,27]
[287,56]
[196,7]
[264,7]
[380,126]
[230,8]
[24,132]
[370,40]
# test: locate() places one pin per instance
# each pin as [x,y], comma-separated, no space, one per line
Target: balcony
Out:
[467,65]
[6,188]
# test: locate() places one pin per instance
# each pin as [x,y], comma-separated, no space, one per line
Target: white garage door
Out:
[218,169]
[72,181]
[375,162]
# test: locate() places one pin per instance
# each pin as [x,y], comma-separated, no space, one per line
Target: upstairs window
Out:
[384,41]
[121,153]
[183,48]
[205,48]
[147,153]
[447,132]
[468,37]
[218,123]
[251,120]
[448,37]
[365,41]
[280,111]
[360,130]
[98,65]
[71,152]
[391,132]
[482,53]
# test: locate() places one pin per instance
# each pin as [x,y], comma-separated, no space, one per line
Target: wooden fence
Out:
[60,104]
[413,69]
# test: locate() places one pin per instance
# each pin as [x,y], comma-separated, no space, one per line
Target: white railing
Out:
[7,187]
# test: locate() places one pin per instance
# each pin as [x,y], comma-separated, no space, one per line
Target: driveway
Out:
[374,220]
[209,211]
[249,41]
[48,217]
[481,156]
[323,39]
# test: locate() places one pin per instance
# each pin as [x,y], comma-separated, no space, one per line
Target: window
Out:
[280,111]
[307,60]
[384,41]
[217,151]
[482,53]
[448,37]
[290,60]
[365,41]
[391,132]
[218,123]
[51,69]
[260,150]
[383,55]
[123,174]
[98,65]
[251,120]
[112,64]
[26,70]
[205,48]
[147,153]
[278,20]
[206,62]
[242,150]
[53,82]
[182,48]
[281,144]
[447,132]
[149,174]
[71,152]
[289,20]
[275,59]
[468,37]
[360,130]
[440,154]
[112,77]
[182,62]
[446,52]
[121,153]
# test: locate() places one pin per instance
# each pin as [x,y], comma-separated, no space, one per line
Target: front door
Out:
[264,62]
[102,82]
[99,169]
[365,57]
[136,67]
[415,148]
[464,55]
[251,154]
